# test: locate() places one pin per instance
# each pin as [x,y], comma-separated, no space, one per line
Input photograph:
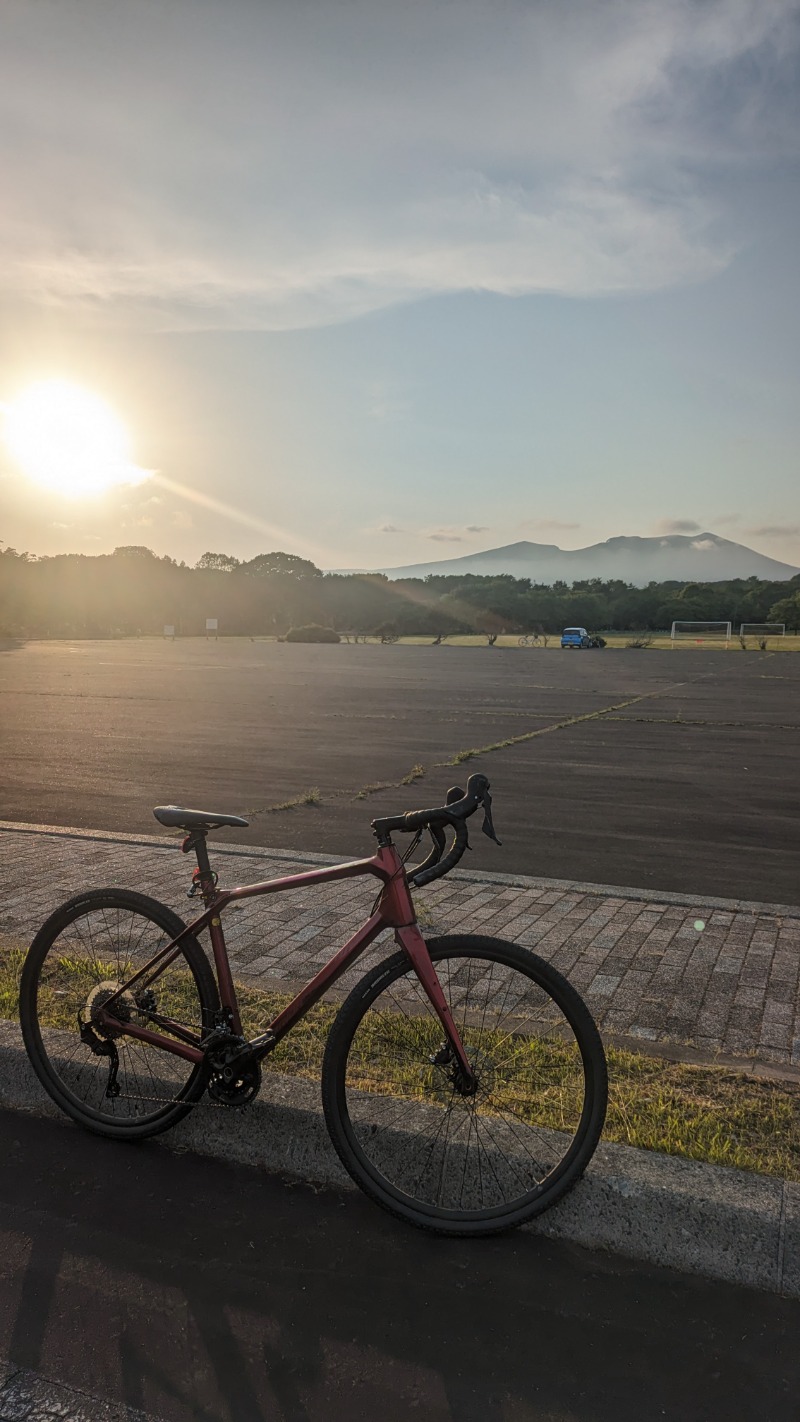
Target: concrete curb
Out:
[513,881]
[702,1219]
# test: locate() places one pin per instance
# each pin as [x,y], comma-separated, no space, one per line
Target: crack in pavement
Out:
[699,721]
[470,754]
[603,712]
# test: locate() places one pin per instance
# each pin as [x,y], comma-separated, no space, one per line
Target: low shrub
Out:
[312,633]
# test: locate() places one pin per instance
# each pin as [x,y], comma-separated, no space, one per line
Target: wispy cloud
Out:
[336,159]
[677,525]
[389,528]
[456,534]
[776,530]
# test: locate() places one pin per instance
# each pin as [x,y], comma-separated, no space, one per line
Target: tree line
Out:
[132,591]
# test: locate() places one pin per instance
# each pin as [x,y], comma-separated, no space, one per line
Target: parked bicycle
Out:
[463,1079]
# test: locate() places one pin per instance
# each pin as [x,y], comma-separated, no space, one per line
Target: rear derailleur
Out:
[102,1047]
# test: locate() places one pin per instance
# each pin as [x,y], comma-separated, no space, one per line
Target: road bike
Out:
[464,1082]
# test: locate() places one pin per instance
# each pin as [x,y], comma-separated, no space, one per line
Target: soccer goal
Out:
[760,631]
[701,632]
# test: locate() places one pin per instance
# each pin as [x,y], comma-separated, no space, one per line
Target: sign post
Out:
[169,630]
[211,626]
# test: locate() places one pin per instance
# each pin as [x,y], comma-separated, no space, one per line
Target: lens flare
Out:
[68,440]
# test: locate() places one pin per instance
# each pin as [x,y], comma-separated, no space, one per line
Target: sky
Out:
[380,283]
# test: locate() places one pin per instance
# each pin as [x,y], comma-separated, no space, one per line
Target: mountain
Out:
[703,558]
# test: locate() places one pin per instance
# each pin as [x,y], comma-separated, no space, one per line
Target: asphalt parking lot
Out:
[674,770]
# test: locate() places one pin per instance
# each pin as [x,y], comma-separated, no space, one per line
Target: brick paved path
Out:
[647,970]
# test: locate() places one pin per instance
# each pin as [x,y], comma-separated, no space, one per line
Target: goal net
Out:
[760,630]
[701,632]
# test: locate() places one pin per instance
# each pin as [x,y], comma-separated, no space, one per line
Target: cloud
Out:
[677,525]
[389,528]
[776,530]
[180,519]
[703,545]
[477,528]
[445,537]
[332,160]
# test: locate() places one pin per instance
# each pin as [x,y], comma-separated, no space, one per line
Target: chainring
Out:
[240,1090]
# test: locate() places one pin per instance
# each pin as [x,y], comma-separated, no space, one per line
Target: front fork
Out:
[413,943]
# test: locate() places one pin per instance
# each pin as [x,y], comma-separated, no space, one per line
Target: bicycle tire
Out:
[355,1114]
[53,1045]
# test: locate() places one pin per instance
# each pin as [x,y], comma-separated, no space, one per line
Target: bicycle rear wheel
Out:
[445,1161]
[113,1083]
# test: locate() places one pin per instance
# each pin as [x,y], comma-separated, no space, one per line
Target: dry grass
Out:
[306,797]
[416,772]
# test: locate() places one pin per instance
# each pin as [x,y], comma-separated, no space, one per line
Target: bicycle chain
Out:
[176,1101]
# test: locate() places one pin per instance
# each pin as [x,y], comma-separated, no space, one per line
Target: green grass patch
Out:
[704,1113]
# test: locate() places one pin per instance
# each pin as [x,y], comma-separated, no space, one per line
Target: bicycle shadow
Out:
[197,1290]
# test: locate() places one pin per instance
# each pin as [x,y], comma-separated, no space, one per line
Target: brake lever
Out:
[438,837]
[488,825]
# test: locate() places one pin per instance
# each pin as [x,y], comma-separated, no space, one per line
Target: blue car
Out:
[579,637]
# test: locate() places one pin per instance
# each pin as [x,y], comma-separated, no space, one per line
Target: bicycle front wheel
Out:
[103,1078]
[416,1144]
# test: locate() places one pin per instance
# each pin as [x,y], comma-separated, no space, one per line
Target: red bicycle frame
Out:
[395,910]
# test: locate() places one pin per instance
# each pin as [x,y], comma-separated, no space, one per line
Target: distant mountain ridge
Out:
[702,558]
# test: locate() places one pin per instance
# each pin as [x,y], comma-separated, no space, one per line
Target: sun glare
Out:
[69,440]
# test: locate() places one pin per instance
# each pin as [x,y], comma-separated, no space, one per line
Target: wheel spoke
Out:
[408,1131]
[85,962]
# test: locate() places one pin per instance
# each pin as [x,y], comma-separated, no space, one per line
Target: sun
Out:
[68,440]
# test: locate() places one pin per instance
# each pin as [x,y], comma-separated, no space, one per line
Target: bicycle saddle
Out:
[175,817]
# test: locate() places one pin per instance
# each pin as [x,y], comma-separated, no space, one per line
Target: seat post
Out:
[205,875]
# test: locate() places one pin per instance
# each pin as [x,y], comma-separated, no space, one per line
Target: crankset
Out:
[242,1087]
[234,1074]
